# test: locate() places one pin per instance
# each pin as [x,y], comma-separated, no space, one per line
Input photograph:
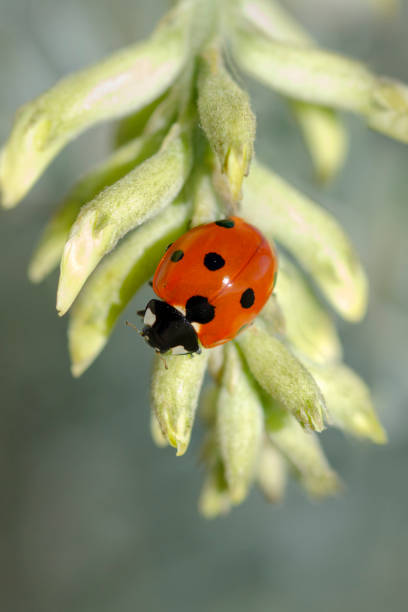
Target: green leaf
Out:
[270,18]
[115,282]
[174,395]
[270,46]
[388,111]
[312,235]
[134,199]
[323,131]
[348,401]
[282,376]
[308,326]
[205,205]
[303,72]
[324,136]
[271,473]
[156,433]
[303,452]
[51,246]
[208,402]
[214,497]
[239,425]
[125,82]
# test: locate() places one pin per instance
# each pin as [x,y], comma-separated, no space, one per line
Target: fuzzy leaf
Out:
[156,432]
[214,497]
[127,81]
[205,205]
[134,199]
[174,394]
[388,111]
[308,326]
[322,129]
[208,401]
[303,452]
[300,71]
[116,280]
[282,376]
[312,235]
[51,246]
[270,18]
[303,72]
[348,401]
[239,425]
[271,474]
[325,137]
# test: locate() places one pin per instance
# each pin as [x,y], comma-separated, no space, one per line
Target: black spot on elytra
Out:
[228,223]
[168,246]
[247,298]
[199,310]
[213,261]
[177,255]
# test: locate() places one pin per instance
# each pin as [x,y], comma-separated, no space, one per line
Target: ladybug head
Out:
[167,329]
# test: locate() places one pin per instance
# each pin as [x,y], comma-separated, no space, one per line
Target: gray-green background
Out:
[93,516]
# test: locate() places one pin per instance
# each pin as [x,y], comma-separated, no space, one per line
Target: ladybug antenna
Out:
[129,324]
[134,327]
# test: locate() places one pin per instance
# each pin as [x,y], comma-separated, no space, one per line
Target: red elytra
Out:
[230,264]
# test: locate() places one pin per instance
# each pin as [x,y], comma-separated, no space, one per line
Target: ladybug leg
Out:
[150,283]
[166,367]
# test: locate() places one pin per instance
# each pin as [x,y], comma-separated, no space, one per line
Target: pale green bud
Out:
[216,362]
[134,199]
[156,433]
[272,315]
[303,452]
[388,111]
[227,120]
[348,401]
[271,473]
[322,129]
[312,235]
[308,325]
[205,205]
[125,82]
[303,72]
[51,246]
[208,401]
[116,280]
[239,425]
[270,18]
[325,137]
[175,391]
[287,61]
[214,498]
[282,376]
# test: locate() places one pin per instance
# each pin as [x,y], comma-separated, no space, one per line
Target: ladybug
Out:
[212,281]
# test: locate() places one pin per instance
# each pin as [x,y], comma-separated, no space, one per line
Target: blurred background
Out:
[93,516]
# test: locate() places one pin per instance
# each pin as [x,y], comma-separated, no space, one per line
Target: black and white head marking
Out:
[166,329]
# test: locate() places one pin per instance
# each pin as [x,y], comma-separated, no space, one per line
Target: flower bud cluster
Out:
[183,149]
